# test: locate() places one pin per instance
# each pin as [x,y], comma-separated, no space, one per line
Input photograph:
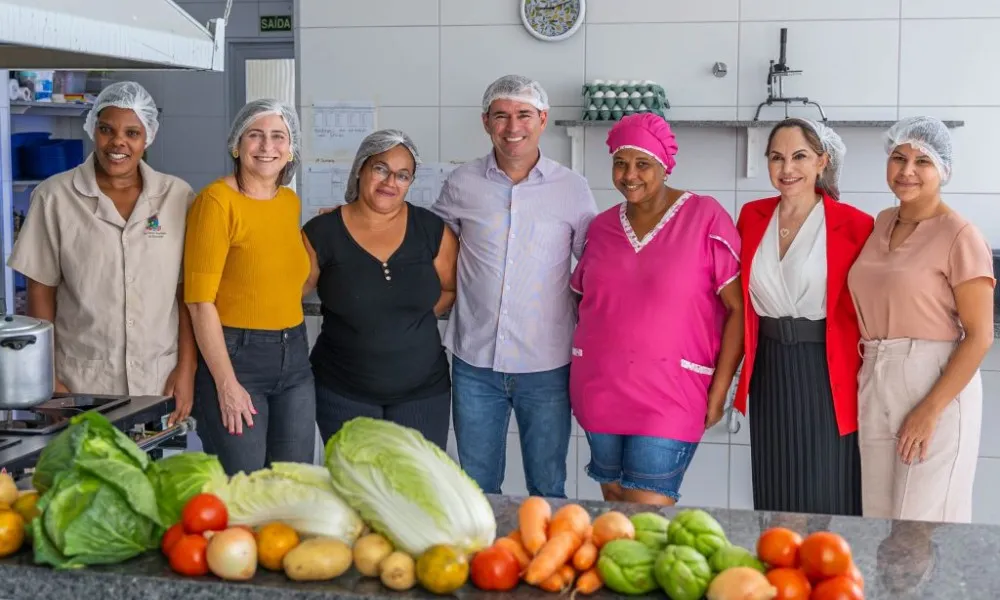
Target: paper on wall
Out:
[426,186]
[338,126]
[325,183]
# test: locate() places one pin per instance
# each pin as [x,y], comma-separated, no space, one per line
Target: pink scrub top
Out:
[651,320]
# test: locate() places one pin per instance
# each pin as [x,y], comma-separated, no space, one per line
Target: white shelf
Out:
[55,109]
[756,134]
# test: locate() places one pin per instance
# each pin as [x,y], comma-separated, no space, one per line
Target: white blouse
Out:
[793,286]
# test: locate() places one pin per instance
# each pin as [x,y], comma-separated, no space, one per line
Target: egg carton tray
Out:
[614,114]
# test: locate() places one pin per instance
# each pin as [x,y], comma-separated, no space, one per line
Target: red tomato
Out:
[838,588]
[824,555]
[204,512]
[792,584]
[175,533]
[187,556]
[779,547]
[495,568]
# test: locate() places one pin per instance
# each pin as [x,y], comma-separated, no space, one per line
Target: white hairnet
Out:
[518,88]
[835,150]
[376,143]
[129,95]
[927,134]
[252,111]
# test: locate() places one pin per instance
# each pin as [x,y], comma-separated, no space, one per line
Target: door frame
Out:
[237,53]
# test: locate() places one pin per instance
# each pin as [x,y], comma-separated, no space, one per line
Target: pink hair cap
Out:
[647,132]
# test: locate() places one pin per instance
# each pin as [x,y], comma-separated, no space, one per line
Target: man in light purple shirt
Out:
[520,217]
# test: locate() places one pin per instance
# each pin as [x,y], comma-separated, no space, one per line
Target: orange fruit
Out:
[11,532]
[274,541]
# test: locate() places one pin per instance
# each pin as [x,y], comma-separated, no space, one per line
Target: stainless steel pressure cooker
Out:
[27,362]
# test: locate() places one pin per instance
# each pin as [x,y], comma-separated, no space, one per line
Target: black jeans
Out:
[273,367]
[429,416]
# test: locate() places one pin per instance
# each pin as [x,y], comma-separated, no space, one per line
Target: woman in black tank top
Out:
[384,271]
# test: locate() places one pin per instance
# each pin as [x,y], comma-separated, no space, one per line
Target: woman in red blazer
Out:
[801,331]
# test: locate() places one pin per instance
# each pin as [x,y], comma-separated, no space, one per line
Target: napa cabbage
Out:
[407,488]
[296,494]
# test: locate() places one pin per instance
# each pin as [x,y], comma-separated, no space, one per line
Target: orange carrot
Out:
[585,557]
[533,522]
[571,517]
[559,581]
[587,583]
[515,548]
[554,554]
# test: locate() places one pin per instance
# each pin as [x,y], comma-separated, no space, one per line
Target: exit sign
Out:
[276,23]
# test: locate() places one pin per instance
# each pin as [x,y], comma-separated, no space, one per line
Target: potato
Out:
[317,559]
[398,571]
[369,552]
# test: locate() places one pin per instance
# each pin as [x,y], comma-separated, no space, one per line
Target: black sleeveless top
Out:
[379,342]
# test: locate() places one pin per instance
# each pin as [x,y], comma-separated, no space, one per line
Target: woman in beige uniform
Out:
[101,248]
[923,288]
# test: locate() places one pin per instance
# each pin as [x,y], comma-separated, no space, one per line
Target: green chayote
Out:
[734,556]
[651,529]
[626,567]
[683,573]
[697,529]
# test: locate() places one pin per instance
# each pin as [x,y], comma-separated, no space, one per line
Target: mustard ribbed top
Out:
[246,256]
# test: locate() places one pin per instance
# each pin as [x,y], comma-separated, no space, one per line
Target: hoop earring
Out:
[236,153]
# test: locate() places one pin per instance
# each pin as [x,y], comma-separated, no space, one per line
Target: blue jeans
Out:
[640,462]
[481,403]
[273,367]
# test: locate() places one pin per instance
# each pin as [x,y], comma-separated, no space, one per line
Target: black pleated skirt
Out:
[800,462]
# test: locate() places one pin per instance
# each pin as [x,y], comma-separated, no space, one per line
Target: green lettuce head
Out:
[85,520]
[88,437]
[180,477]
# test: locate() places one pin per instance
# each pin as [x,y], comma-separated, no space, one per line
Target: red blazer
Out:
[847,230]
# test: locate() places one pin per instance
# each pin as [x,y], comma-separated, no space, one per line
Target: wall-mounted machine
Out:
[775,77]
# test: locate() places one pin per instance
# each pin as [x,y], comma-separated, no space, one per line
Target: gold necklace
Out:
[785,231]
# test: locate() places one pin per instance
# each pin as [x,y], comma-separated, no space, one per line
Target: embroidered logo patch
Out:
[153,228]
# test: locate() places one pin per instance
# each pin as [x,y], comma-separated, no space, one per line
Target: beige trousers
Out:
[895,376]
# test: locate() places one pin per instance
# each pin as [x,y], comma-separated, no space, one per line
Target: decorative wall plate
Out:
[552,20]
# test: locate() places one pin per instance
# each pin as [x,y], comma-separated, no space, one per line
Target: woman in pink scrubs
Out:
[660,331]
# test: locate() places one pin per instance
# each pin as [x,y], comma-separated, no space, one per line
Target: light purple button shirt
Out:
[514,311]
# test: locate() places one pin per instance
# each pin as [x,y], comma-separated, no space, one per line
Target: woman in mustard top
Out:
[245,266]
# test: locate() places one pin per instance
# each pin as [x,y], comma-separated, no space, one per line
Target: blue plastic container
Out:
[43,160]
[19,141]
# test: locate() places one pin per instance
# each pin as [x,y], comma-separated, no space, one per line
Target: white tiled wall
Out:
[426,63]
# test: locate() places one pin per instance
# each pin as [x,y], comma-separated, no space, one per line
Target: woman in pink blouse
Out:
[923,287]
[660,331]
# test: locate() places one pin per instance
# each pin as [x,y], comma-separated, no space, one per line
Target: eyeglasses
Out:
[382,173]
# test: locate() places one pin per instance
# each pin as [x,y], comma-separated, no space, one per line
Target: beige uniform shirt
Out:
[116,299]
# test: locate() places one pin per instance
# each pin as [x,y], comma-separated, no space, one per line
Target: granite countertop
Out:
[899,560]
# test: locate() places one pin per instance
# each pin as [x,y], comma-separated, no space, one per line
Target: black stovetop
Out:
[53,415]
